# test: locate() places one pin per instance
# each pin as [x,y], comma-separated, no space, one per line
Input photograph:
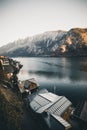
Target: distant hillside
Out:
[75,43]
[53,43]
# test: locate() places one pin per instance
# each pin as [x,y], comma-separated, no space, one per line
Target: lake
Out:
[63,76]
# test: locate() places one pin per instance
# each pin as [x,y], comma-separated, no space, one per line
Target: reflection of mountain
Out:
[53,43]
[75,72]
[47,74]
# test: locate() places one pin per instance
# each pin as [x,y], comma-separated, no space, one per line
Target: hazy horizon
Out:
[23,18]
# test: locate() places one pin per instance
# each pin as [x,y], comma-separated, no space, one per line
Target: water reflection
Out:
[67,74]
[55,68]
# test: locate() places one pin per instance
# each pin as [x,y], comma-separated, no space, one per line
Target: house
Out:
[52,109]
[27,86]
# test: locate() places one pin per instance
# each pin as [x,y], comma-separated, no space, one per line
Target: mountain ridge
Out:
[50,43]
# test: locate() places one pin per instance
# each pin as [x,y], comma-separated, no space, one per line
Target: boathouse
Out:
[52,108]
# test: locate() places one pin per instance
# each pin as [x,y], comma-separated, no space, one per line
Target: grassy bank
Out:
[11,110]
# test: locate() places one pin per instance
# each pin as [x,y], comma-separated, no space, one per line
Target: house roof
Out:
[49,102]
[23,85]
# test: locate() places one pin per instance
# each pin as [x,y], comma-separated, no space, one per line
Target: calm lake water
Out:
[63,76]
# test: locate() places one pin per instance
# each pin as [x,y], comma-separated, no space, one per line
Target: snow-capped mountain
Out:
[42,44]
[53,43]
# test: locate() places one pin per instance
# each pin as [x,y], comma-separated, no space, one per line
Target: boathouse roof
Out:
[49,102]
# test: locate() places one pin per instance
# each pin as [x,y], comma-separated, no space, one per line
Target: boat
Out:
[50,109]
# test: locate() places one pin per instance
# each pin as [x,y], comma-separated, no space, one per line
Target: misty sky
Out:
[22,18]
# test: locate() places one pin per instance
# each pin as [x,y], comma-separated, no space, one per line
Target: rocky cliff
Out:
[75,43]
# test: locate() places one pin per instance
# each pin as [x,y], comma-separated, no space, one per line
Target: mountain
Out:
[53,43]
[75,43]
[39,45]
